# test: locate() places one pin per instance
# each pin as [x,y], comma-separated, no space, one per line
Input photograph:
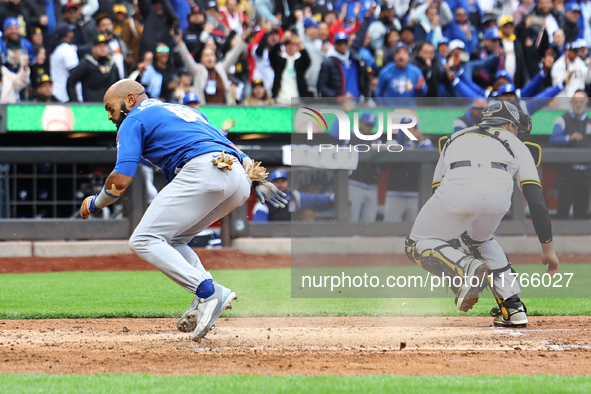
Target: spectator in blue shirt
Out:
[461,29]
[400,79]
[573,130]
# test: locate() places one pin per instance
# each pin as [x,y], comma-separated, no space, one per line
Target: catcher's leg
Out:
[459,270]
[503,282]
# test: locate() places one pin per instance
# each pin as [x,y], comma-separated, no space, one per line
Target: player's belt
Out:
[468,163]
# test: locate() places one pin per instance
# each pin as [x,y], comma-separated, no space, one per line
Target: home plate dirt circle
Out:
[294,345]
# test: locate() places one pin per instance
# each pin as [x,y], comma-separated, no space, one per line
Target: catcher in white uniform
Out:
[473,185]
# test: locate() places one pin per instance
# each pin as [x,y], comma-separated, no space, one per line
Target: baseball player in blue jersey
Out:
[203,185]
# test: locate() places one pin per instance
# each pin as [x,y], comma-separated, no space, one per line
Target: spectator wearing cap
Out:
[402,196]
[289,60]
[158,76]
[63,59]
[96,72]
[491,48]
[84,32]
[160,17]
[118,49]
[220,33]
[428,27]
[197,33]
[308,30]
[344,72]
[37,37]
[569,63]
[258,96]
[44,91]
[363,181]
[13,46]
[120,12]
[461,29]
[400,78]
[210,75]
[31,14]
[433,71]
[232,17]
[191,100]
[131,33]
[387,21]
[513,58]
[11,83]
[571,24]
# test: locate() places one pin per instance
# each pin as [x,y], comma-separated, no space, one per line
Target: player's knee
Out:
[137,243]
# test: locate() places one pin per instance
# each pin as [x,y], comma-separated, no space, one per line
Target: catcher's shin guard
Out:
[438,257]
[494,281]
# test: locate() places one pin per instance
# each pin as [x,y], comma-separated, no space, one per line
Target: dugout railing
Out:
[237,225]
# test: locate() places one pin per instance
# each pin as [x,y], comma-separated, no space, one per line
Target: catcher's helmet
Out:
[498,113]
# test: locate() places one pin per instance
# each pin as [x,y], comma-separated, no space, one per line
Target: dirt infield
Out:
[307,346]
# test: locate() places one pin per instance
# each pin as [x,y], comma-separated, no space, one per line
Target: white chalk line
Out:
[500,329]
[546,348]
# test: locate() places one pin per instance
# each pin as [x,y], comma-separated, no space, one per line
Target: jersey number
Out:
[185,113]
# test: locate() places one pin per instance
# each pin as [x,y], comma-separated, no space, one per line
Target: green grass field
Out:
[261,293]
[291,384]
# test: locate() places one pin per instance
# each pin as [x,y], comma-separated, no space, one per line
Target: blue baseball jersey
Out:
[166,135]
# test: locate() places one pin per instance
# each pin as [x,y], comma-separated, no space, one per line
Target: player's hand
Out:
[267,192]
[550,259]
[228,124]
[576,136]
[88,208]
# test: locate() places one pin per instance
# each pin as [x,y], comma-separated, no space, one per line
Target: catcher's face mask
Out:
[525,126]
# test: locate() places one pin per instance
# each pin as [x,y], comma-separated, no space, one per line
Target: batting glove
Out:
[266,191]
[88,206]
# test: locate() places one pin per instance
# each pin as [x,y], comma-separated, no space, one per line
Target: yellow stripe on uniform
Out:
[530,181]
[436,183]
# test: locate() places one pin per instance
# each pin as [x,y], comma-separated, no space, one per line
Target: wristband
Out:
[104,199]
[92,206]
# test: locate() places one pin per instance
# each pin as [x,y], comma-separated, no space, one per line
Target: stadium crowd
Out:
[271,51]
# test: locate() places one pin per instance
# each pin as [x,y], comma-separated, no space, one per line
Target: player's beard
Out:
[122,115]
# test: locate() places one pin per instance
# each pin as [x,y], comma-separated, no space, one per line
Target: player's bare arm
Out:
[115,186]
